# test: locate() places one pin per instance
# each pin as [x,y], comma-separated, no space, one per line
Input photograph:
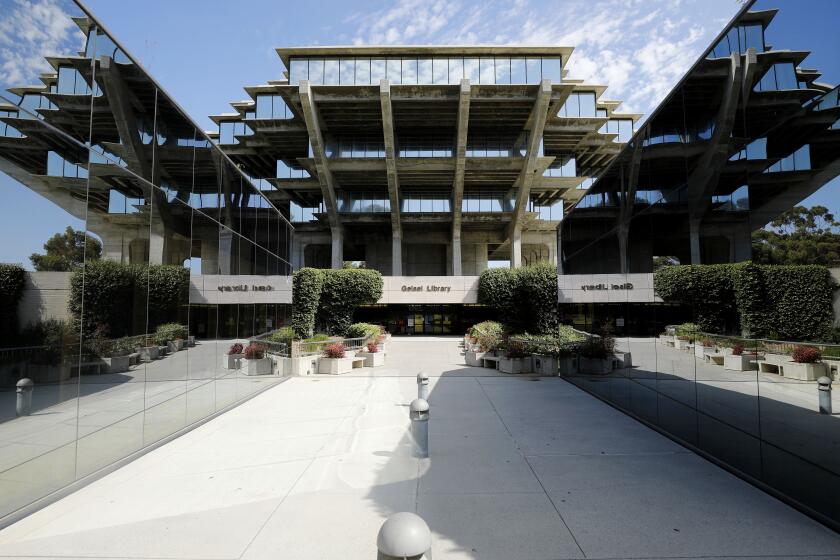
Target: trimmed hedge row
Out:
[524,298]
[761,301]
[12,278]
[127,299]
[329,297]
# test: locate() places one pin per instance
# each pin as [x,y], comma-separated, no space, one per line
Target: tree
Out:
[67,251]
[799,236]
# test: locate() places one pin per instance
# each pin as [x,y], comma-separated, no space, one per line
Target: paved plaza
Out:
[521,467]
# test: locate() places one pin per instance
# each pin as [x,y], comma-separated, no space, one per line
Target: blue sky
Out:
[204,51]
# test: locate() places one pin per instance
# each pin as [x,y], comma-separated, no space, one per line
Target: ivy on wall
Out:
[127,298]
[12,278]
[329,297]
[760,301]
[524,298]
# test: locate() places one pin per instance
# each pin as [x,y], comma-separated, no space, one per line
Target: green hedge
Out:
[329,297]
[759,301]
[12,278]
[524,298]
[306,293]
[363,330]
[127,299]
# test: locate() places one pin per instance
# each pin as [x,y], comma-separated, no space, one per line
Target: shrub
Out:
[565,333]
[235,348]
[737,350]
[488,334]
[363,330]
[307,284]
[687,331]
[497,289]
[170,331]
[318,337]
[806,355]
[597,347]
[254,351]
[12,277]
[516,350]
[334,350]
[708,342]
[58,338]
[343,291]
[372,348]
[284,335]
[525,298]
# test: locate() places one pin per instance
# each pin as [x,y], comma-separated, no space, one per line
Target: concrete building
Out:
[424,161]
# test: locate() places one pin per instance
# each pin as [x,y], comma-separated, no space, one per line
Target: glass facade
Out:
[639,215]
[150,226]
[434,70]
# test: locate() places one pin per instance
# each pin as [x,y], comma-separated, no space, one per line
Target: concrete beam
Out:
[393,176]
[325,177]
[530,170]
[704,179]
[460,167]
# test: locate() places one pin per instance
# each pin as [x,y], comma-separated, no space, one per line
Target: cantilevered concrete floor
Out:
[520,468]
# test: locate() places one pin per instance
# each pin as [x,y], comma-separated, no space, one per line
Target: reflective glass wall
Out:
[748,134]
[125,231]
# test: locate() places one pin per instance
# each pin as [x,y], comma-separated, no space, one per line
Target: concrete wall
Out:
[45,296]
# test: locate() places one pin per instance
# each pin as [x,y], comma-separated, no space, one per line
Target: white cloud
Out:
[639,48]
[29,31]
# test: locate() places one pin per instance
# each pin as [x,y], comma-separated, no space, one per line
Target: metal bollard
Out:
[824,388]
[418,412]
[23,405]
[404,536]
[423,386]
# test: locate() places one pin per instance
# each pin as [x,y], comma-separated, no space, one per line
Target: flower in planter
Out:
[708,342]
[334,351]
[235,349]
[254,351]
[806,355]
[737,350]
[371,347]
[516,350]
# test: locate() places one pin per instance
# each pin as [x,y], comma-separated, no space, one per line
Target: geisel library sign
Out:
[429,289]
[606,288]
[243,289]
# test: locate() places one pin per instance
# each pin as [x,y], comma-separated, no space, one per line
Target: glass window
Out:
[440,70]
[362,71]
[533,70]
[587,104]
[394,72]
[298,71]
[456,70]
[377,70]
[409,71]
[551,70]
[518,74]
[331,71]
[316,71]
[471,70]
[754,35]
[264,106]
[425,71]
[487,70]
[346,72]
[502,70]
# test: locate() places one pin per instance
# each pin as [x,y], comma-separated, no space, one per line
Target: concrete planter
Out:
[335,366]
[744,362]
[163,350]
[149,353]
[567,365]
[803,372]
[231,361]
[381,347]
[474,358]
[681,344]
[515,365]
[544,365]
[596,366]
[700,351]
[777,359]
[623,360]
[190,341]
[261,366]
[303,365]
[118,364]
[372,359]
[175,345]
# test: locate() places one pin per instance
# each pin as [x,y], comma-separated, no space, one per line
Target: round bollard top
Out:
[419,405]
[422,377]
[824,381]
[25,383]
[403,535]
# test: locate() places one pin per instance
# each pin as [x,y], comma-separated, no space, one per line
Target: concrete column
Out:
[225,253]
[694,239]
[337,260]
[622,234]
[740,245]
[157,245]
[481,256]
[396,254]
[456,254]
[516,248]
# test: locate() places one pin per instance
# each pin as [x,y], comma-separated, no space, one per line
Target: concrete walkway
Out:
[521,468]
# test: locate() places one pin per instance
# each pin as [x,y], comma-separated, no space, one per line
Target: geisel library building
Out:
[428,164]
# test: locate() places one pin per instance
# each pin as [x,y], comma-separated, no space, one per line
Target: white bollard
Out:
[423,386]
[824,390]
[23,404]
[404,536]
[418,412]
